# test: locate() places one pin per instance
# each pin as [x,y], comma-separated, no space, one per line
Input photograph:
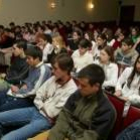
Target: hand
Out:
[14,89]
[118,93]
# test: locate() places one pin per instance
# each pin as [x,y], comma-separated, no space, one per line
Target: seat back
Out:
[121,123]
[132,116]
[119,106]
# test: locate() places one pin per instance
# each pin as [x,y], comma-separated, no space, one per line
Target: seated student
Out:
[118,40]
[59,44]
[126,55]
[17,95]
[18,69]
[44,42]
[82,57]
[74,41]
[7,39]
[49,101]
[110,37]
[99,44]
[134,35]
[106,61]
[88,114]
[128,85]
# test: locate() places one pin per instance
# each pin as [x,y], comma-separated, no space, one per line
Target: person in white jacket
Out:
[106,61]
[128,85]
[50,99]
[82,57]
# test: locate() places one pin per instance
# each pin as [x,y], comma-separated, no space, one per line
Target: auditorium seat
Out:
[122,122]
[119,106]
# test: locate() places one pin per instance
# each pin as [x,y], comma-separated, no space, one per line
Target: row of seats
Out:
[122,121]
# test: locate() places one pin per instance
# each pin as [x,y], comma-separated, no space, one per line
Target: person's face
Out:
[39,30]
[86,36]
[118,31]
[90,26]
[58,72]
[134,32]
[17,51]
[85,88]
[125,47]
[138,65]
[31,61]
[100,41]
[121,36]
[104,57]
[75,36]
[82,51]
[41,42]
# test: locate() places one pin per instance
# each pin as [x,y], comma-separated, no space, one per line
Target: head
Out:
[19,48]
[84,46]
[118,31]
[12,25]
[88,36]
[90,26]
[134,31]
[107,55]
[34,56]
[90,79]
[76,35]
[43,39]
[101,40]
[58,41]
[137,65]
[62,65]
[109,34]
[136,70]
[127,44]
[121,36]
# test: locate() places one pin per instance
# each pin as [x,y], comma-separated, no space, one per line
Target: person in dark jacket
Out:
[88,114]
[22,95]
[18,69]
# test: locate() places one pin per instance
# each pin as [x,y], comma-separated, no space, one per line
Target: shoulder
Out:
[75,53]
[113,65]
[71,85]
[128,69]
[71,102]
[105,104]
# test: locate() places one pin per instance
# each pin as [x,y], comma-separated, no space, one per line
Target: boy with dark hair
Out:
[19,96]
[49,101]
[88,114]
[82,57]
[19,67]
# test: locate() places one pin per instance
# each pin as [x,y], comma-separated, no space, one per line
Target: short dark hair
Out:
[102,36]
[21,44]
[64,61]
[48,38]
[84,43]
[35,52]
[128,41]
[94,73]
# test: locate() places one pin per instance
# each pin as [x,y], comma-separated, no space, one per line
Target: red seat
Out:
[122,122]
[119,106]
[132,116]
